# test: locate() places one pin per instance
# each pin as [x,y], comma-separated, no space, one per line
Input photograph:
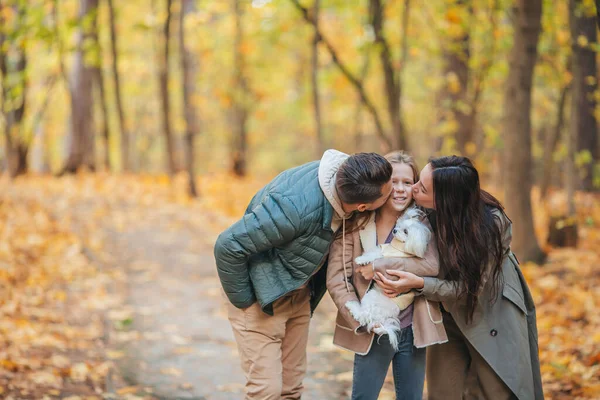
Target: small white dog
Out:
[377,312]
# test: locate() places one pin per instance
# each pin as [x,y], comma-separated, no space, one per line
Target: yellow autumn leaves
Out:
[54,299]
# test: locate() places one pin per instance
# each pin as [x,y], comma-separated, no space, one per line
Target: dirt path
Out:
[176,340]
[187,348]
[171,339]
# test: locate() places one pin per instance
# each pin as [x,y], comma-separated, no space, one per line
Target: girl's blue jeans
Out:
[408,365]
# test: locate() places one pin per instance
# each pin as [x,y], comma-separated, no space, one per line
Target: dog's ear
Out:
[418,238]
[413,213]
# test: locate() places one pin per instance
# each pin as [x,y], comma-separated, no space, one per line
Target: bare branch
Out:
[346,72]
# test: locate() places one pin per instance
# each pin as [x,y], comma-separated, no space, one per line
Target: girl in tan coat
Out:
[421,322]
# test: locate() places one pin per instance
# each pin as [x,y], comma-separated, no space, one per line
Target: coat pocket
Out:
[514,296]
[342,323]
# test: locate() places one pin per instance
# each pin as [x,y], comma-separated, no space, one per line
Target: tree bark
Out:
[569,221]
[358,134]
[452,97]
[315,81]
[401,134]
[100,85]
[125,156]
[392,79]
[241,94]
[14,75]
[164,92]
[583,122]
[517,128]
[189,70]
[551,141]
[82,146]
[570,167]
[456,72]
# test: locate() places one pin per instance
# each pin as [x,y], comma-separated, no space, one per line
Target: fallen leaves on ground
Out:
[51,337]
[55,304]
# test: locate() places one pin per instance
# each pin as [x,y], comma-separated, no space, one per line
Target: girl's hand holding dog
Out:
[405,282]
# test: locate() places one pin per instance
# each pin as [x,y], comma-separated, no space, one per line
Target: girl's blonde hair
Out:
[401,157]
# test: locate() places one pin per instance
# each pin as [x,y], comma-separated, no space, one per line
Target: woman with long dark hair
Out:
[488,311]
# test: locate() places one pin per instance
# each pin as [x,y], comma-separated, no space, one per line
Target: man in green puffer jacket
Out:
[272,262]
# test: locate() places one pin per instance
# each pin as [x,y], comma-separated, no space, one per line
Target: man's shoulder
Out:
[293,184]
[294,181]
[296,187]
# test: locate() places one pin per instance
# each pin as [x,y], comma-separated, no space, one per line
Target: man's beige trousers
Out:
[273,348]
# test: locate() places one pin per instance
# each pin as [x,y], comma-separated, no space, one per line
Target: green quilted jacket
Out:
[281,242]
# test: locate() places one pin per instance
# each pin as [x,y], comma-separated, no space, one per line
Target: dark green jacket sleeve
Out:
[270,224]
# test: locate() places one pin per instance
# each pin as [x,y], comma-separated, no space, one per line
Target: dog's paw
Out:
[378,329]
[364,259]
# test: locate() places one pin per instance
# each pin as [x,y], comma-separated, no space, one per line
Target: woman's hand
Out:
[406,282]
[366,271]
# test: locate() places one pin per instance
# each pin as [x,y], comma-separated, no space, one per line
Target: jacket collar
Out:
[328,168]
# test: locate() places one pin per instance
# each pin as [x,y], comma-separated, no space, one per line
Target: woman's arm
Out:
[429,265]
[340,289]
[438,289]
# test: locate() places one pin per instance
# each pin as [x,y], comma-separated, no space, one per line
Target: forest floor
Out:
[108,289]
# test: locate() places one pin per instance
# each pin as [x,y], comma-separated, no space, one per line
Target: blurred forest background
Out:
[209,99]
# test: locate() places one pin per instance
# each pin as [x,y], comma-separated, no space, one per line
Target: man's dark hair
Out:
[361,176]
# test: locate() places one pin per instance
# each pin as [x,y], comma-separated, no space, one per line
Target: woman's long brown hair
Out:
[468,234]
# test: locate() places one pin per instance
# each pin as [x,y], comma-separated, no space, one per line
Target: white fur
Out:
[377,312]
[412,232]
[369,257]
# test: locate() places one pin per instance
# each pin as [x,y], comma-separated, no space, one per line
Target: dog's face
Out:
[403,229]
[414,234]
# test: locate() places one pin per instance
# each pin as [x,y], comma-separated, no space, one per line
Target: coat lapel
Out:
[368,235]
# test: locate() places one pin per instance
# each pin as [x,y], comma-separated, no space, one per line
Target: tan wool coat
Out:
[345,283]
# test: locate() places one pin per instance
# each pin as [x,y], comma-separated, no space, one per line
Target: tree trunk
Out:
[315,81]
[392,79]
[14,80]
[189,69]
[583,38]
[517,128]
[456,73]
[99,82]
[241,94]
[551,141]
[99,79]
[82,146]
[125,156]
[164,92]
[598,13]
[358,134]
[570,234]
